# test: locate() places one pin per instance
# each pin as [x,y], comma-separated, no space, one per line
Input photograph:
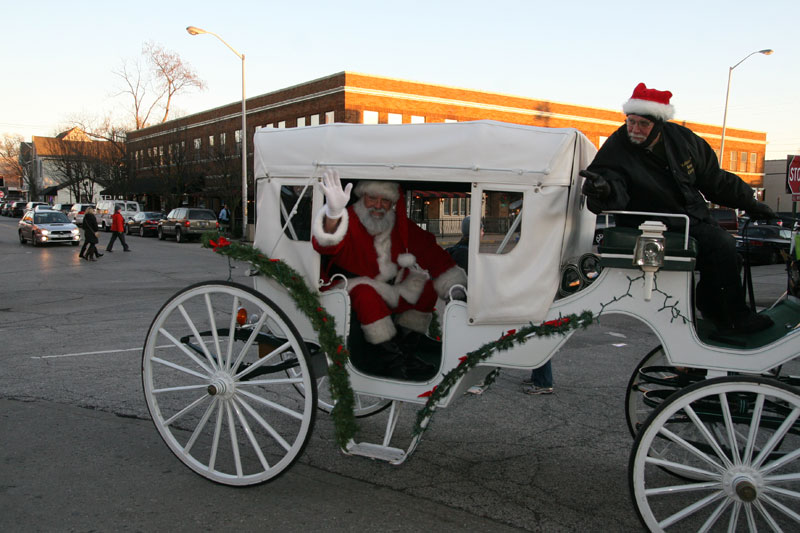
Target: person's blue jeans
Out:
[543,376]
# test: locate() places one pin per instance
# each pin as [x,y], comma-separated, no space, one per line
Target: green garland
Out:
[511,338]
[332,344]
[323,323]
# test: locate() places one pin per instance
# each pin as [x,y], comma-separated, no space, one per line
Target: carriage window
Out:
[299,227]
[501,213]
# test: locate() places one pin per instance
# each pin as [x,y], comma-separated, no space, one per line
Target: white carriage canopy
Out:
[540,164]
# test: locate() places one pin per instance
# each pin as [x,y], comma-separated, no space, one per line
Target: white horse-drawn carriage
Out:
[233,376]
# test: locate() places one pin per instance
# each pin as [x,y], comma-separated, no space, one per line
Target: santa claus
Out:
[395,269]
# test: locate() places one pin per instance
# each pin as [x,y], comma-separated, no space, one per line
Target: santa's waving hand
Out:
[336,197]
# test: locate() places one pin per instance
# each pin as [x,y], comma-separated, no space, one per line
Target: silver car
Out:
[45,226]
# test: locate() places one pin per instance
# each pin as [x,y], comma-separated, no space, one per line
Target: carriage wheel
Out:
[216,385]
[651,383]
[737,440]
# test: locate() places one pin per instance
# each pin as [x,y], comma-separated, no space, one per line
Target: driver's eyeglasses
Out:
[642,123]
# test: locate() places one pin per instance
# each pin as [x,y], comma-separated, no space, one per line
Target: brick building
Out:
[195,159]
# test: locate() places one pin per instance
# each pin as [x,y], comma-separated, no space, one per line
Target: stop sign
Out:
[2,194]
[793,176]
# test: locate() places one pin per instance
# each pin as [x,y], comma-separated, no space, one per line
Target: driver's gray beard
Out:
[374,226]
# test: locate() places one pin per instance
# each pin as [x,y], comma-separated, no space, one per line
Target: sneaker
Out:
[533,389]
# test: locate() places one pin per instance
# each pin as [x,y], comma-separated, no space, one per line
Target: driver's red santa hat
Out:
[389,190]
[649,103]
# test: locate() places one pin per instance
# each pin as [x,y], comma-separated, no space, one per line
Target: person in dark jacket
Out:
[90,233]
[650,164]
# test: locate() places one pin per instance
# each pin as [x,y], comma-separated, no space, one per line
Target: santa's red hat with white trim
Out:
[649,103]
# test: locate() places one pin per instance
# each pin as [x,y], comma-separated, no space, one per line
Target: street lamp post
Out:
[197,31]
[766,52]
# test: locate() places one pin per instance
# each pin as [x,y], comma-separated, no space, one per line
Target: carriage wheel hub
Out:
[744,483]
[222,384]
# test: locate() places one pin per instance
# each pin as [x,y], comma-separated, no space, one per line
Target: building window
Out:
[446,206]
[733,161]
[211,141]
[743,166]
[315,120]
[753,162]
[416,119]
[197,144]
[395,118]
[301,122]
[369,117]
[281,124]
[329,117]
[223,137]
[450,120]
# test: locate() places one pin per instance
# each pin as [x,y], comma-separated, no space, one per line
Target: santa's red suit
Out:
[399,272]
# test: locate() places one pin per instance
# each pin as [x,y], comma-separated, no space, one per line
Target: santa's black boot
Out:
[392,359]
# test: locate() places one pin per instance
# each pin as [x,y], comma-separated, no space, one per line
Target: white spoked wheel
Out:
[653,381]
[215,382]
[736,444]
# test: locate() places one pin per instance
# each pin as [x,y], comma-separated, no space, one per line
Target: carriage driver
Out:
[650,164]
[395,269]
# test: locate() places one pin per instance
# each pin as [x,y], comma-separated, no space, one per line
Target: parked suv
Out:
[31,205]
[76,213]
[64,208]
[17,209]
[187,222]
[105,208]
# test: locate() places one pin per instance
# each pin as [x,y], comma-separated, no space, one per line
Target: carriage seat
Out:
[620,242]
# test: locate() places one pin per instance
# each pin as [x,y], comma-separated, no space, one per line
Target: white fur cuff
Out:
[329,239]
[453,276]
[415,320]
[379,331]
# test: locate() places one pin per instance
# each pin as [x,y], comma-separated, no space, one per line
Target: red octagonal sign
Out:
[793,176]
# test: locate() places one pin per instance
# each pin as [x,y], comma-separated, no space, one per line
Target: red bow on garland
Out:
[221,243]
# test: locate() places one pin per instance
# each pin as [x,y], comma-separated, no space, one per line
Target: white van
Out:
[105,208]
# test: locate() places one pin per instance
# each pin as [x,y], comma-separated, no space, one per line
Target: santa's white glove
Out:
[336,198]
[413,284]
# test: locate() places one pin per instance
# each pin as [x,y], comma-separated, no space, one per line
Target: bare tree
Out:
[10,146]
[154,80]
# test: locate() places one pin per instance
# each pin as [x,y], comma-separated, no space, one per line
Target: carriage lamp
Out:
[649,253]
[241,316]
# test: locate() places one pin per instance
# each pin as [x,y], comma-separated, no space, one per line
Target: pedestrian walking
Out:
[117,231]
[224,218]
[91,234]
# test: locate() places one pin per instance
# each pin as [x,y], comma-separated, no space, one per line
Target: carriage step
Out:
[376,451]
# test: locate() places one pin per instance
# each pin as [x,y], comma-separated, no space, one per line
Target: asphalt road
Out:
[79,452]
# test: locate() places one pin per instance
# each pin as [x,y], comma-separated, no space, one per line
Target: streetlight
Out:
[766,52]
[197,31]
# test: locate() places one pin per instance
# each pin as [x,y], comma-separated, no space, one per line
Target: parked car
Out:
[64,208]
[105,208]
[45,226]
[764,243]
[187,222]
[144,223]
[3,205]
[31,205]
[17,209]
[603,222]
[76,213]
[726,218]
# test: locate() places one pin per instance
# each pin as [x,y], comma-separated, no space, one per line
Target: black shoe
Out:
[82,256]
[126,250]
[392,359]
[96,254]
[109,251]
[414,341]
[751,323]
[418,369]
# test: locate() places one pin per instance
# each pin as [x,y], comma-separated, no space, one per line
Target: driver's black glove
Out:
[595,185]
[760,211]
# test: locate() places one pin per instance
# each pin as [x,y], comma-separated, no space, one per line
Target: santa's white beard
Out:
[375,225]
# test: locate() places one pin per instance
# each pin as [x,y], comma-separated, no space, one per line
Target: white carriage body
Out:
[506,291]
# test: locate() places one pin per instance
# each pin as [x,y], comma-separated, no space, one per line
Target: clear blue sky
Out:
[58,57]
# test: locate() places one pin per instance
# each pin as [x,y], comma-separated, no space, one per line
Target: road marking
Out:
[91,353]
